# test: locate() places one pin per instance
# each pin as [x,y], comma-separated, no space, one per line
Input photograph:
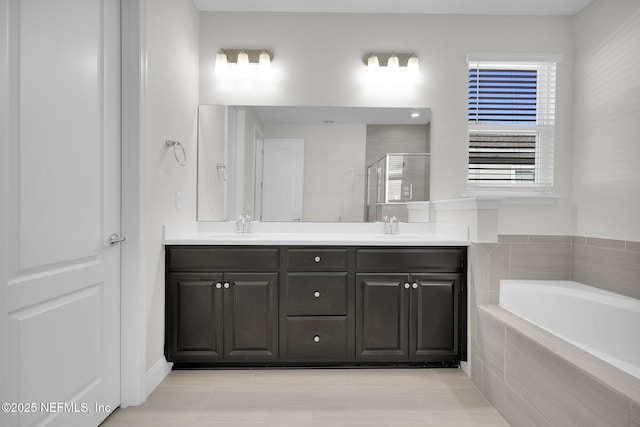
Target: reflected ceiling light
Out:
[415,115]
[244,60]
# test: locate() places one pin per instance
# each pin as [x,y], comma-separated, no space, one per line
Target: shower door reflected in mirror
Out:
[394,180]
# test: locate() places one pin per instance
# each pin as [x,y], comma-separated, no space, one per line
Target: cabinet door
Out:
[194,318]
[382,315]
[434,326]
[250,317]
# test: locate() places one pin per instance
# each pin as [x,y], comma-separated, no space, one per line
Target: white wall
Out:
[171,113]
[606,178]
[334,170]
[318,60]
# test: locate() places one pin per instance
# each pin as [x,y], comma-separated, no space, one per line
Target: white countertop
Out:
[326,234]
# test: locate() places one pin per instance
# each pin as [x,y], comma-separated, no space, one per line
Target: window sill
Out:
[487,202]
[533,195]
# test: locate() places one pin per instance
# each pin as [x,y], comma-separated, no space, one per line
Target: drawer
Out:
[410,259]
[312,338]
[316,294]
[221,258]
[317,259]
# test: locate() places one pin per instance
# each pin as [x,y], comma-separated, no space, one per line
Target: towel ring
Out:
[181,159]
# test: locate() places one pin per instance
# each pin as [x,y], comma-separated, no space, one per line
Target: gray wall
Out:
[383,139]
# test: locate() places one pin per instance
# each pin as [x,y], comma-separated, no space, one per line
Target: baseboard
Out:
[156,374]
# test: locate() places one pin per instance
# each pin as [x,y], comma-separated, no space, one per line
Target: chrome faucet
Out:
[389,225]
[243,225]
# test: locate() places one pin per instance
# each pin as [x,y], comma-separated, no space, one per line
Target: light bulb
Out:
[373,63]
[413,66]
[264,61]
[222,63]
[243,62]
[394,62]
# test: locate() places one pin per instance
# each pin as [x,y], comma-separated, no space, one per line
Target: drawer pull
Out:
[415,285]
[218,285]
[316,294]
[317,259]
[316,338]
[226,285]
[407,285]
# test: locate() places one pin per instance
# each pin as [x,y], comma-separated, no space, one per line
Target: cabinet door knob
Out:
[316,338]
[415,285]
[218,285]
[317,259]
[226,285]
[407,285]
[316,294]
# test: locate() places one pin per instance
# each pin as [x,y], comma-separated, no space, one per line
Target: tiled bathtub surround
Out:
[517,257]
[505,352]
[613,265]
[535,378]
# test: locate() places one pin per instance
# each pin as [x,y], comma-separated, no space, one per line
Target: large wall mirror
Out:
[279,163]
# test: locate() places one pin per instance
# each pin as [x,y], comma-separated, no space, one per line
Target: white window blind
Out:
[396,171]
[511,116]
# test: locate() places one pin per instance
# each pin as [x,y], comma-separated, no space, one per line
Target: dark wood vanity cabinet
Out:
[254,305]
[408,317]
[411,304]
[193,324]
[221,316]
[317,306]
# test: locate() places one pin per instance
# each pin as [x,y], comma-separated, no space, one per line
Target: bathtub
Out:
[602,323]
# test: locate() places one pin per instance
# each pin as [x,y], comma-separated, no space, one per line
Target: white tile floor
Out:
[312,398]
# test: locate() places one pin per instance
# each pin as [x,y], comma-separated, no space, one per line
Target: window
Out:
[511,116]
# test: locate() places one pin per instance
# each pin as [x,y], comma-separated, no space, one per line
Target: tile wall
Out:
[613,265]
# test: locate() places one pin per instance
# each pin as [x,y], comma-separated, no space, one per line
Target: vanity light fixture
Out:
[393,61]
[243,60]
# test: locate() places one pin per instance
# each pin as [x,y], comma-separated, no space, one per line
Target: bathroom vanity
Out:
[314,299]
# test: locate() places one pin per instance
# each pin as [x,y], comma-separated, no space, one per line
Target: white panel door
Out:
[59,202]
[282,179]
